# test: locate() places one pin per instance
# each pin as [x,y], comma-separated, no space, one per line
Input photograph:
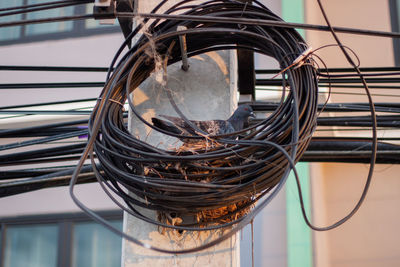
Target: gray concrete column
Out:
[207,90]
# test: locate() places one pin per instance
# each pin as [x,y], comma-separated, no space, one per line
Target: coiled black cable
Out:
[253,168]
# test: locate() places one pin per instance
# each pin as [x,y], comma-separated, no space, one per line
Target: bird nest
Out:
[206,173]
[217,183]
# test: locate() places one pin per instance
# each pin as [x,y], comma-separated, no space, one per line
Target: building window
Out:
[50,31]
[394,6]
[60,240]
[93,239]
[33,245]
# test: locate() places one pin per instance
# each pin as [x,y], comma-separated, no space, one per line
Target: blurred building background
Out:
[45,228]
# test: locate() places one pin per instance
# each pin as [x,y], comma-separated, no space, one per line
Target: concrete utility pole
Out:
[207,90]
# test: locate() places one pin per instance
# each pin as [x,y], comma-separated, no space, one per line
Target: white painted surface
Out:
[54,200]
[94,51]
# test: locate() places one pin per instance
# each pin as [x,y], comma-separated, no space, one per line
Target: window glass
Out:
[10,33]
[96,246]
[33,246]
[63,26]
[53,30]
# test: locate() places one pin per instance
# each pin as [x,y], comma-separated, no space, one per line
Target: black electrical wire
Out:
[24,173]
[360,121]
[48,132]
[44,6]
[334,70]
[46,20]
[389,121]
[386,107]
[50,85]
[336,80]
[374,140]
[27,130]
[46,112]
[261,22]
[43,160]
[378,70]
[346,93]
[52,68]
[41,153]
[48,103]
[253,168]
[44,140]
[280,140]
[364,74]
[351,150]
[203,18]
[53,179]
[350,129]
[41,4]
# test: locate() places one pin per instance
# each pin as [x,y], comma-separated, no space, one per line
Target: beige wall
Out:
[361,14]
[370,238]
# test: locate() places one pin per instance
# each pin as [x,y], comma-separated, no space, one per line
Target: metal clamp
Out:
[299,61]
[104,10]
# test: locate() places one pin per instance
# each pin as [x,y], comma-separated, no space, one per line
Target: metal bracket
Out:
[182,42]
[125,23]
[104,10]
[299,61]
[104,3]
[244,98]
[246,73]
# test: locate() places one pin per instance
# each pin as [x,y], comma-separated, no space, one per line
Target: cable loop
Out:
[223,185]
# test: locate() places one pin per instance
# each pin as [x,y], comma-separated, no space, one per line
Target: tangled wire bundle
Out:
[225,180]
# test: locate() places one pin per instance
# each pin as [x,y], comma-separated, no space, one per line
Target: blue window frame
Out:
[60,240]
[50,31]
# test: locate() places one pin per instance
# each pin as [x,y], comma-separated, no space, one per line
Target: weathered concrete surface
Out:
[206,91]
